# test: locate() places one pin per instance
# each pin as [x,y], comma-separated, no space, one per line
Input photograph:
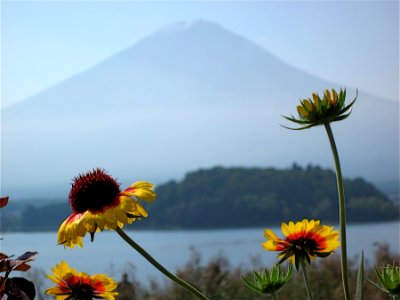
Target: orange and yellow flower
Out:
[80,286]
[304,240]
[97,204]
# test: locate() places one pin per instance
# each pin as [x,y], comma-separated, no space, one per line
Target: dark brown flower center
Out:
[305,243]
[94,191]
[82,292]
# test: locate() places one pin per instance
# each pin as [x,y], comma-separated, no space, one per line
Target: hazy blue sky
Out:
[354,43]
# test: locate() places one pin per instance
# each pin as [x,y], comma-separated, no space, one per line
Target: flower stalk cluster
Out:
[324,110]
[98,204]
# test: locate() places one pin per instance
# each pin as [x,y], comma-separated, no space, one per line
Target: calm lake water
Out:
[110,254]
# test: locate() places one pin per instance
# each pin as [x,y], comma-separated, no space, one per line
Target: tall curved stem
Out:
[157,265]
[342,211]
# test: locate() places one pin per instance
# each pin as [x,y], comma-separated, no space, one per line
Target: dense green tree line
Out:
[237,197]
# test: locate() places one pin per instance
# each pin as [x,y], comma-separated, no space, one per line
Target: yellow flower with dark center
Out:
[318,111]
[97,204]
[303,241]
[80,286]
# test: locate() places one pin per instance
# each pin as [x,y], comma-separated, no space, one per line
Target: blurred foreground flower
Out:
[98,204]
[389,279]
[317,111]
[80,286]
[268,281]
[303,241]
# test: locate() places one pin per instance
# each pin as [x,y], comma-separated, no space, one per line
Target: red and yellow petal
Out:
[69,281]
[72,230]
[273,243]
[140,190]
[324,239]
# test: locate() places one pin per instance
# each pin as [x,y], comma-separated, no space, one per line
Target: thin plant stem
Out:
[342,211]
[305,277]
[157,265]
[273,296]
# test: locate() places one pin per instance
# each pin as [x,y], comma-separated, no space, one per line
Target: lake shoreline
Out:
[147,229]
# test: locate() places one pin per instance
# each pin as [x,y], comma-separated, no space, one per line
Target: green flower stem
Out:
[342,212]
[273,296]
[156,264]
[305,277]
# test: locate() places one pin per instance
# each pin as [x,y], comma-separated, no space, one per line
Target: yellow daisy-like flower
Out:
[80,286]
[304,240]
[97,204]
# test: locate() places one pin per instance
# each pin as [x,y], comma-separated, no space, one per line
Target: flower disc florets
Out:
[318,111]
[93,191]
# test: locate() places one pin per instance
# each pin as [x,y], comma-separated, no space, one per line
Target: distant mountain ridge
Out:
[185,97]
[209,43]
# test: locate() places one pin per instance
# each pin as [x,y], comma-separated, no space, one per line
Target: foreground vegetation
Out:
[222,281]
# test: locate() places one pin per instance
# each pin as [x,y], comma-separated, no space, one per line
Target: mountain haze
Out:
[190,95]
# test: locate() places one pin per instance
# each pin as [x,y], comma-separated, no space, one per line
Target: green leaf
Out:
[360,279]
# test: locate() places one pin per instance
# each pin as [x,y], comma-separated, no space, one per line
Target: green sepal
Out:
[389,279]
[294,120]
[322,254]
[267,281]
[286,255]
